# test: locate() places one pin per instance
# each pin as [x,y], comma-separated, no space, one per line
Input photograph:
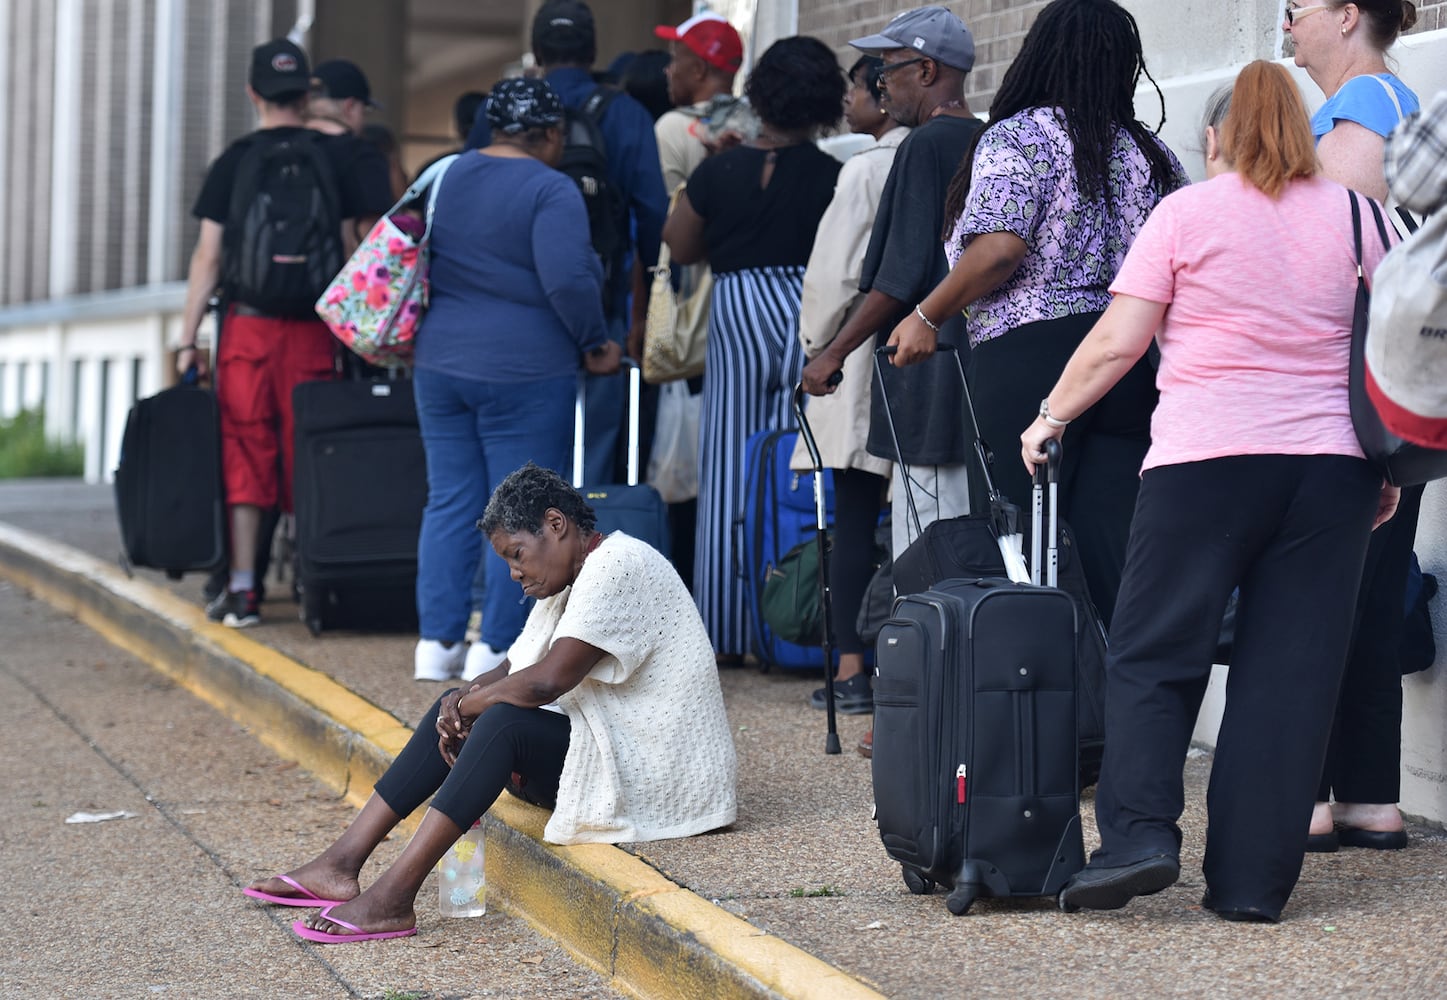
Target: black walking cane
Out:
[821,539]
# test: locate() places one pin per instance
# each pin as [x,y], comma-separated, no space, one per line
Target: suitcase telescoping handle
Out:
[972,427]
[1047,479]
[821,539]
[580,405]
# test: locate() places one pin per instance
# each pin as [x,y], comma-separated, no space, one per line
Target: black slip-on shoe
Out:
[1376,840]
[1111,888]
[851,697]
[1239,914]
[1322,843]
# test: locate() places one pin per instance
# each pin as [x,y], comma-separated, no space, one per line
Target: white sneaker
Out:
[435,662]
[480,659]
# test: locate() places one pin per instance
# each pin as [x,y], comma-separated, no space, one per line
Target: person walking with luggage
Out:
[515,313]
[927,53]
[1342,47]
[610,686]
[250,206]
[752,212]
[1254,480]
[631,204]
[1042,213]
[840,421]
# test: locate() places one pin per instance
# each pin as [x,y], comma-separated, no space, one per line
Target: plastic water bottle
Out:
[462,882]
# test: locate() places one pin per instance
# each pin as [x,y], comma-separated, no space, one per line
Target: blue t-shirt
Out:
[1364,100]
[516,288]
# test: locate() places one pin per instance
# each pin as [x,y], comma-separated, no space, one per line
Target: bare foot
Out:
[370,912]
[1381,817]
[326,881]
[1321,819]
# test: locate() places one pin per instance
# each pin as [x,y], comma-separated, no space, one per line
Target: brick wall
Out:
[999,27]
[1431,15]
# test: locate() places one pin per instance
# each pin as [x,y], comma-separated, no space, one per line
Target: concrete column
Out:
[7,97]
[372,34]
[165,143]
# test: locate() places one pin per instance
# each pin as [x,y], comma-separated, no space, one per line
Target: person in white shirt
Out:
[608,710]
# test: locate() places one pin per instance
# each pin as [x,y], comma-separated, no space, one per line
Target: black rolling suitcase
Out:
[168,483]
[975,746]
[633,508]
[360,486]
[969,547]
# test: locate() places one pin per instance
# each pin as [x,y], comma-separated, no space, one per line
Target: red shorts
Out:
[261,360]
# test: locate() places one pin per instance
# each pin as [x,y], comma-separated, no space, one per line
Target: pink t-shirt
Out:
[1257,333]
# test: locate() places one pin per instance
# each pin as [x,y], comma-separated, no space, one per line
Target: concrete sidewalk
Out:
[798,898]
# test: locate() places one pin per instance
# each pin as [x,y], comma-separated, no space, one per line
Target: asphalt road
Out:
[150,905]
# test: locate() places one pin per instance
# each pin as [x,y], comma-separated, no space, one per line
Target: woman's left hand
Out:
[1032,442]
[604,360]
[1387,504]
[912,341]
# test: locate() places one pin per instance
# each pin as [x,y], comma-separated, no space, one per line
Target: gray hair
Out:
[520,501]
[1218,105]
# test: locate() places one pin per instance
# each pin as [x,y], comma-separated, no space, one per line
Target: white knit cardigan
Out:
[650,752]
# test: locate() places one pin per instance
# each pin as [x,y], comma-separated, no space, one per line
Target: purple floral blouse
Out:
[1024,183]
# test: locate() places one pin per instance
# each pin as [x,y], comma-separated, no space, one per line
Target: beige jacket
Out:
[840,421]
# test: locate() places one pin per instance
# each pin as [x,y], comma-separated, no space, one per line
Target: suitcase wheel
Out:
[311,610]
[962,897]
[917,883]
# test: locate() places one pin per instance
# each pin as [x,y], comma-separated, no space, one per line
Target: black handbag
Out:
[1402,464]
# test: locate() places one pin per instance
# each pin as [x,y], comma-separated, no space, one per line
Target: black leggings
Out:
[505,740]
[858,497]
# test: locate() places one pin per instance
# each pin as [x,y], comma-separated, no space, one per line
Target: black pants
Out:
[1364,758]
[505,740]
[1291,532]
[858,497]
[1102,450]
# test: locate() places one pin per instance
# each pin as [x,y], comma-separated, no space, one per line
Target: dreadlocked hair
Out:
[1084,58]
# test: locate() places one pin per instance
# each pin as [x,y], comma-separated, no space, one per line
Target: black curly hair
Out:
[520,501]
[866,68]
[1083,57]
[797,85]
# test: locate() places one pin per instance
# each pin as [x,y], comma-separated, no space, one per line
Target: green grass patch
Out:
[823,890]
[25,451]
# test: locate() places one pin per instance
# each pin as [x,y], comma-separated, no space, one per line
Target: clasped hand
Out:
[453,724]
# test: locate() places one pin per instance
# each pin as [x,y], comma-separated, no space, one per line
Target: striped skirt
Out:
[754,359]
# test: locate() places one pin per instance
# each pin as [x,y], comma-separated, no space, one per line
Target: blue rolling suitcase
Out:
[633,508]
[778,514]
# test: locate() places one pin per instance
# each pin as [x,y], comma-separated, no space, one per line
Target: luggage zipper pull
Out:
[960,784]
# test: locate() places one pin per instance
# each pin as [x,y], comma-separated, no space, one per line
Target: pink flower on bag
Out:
[396,246]
[336,294]
[359,280]
[378,295]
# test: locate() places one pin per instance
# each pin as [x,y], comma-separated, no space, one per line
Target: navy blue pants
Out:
[1291,532]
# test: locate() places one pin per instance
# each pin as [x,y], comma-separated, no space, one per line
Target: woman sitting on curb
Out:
[608,707]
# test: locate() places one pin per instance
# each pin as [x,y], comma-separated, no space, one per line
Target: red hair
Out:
[1267,135]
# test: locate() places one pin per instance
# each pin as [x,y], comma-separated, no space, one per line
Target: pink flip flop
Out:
[357,934]
[307,897]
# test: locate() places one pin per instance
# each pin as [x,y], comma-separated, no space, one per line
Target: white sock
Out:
[243,579]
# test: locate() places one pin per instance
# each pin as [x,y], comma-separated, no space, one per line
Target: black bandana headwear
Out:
[518,105]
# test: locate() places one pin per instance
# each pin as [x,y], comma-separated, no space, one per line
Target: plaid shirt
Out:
[1415,158]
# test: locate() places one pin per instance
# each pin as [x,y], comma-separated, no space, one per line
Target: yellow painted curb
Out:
[650,936]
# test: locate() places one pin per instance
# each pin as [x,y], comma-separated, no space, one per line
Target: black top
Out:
[745,225]
[364,183]
[906,260]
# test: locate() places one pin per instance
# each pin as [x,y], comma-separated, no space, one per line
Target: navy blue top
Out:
[516,287]
[632,157]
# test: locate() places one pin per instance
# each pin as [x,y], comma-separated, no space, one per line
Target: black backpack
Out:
[585,160]
[282,244]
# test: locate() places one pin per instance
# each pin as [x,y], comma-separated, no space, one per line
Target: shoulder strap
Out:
[434,175]
[598,101]
[1356,231]
[1381,224]
[1392,93]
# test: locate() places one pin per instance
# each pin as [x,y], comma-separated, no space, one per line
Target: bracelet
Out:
[1049,420]
[185,347]
[925,319]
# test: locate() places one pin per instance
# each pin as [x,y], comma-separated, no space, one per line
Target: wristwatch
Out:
[1045,414]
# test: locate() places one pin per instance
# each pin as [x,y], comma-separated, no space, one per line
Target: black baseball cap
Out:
[340,80]
[562,22]
[279,69]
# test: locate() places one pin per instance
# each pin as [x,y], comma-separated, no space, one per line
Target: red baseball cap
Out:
[709,37]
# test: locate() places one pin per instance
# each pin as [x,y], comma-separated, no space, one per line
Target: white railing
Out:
[85,360]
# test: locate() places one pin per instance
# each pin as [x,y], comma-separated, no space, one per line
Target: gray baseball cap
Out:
[931,31]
